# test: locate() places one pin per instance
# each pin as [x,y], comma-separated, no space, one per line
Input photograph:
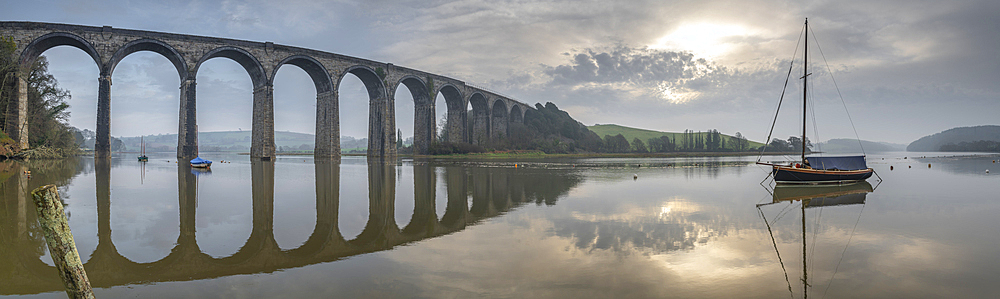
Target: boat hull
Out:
[790,175]
[202,165]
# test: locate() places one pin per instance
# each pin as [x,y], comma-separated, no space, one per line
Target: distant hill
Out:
[643,134]
[852,146]
[933,143]
[237,141]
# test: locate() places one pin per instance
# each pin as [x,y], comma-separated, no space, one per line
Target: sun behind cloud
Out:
[675,95]
[704,40]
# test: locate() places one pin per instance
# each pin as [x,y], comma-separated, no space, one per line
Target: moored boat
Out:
[823,170]
[198,162]
[815,170]
[142,143]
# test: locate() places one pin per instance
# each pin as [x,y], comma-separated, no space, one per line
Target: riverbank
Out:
[42,153]
[543,155]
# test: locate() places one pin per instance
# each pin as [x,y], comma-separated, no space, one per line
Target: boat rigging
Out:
[814,170]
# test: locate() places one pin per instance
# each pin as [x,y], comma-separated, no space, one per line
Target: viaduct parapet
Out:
[491,113]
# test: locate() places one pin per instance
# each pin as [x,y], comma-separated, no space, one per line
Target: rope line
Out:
[775,243]
[844,252]
[828,69]
[812,112]
[791,64]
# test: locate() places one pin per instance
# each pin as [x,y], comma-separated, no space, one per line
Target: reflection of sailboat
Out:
[812,197]
[200,171]
[820,196]
[815,170]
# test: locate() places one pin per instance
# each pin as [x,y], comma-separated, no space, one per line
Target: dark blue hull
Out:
[788,175]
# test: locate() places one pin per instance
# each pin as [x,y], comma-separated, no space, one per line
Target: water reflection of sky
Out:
[679,231]
[671,233]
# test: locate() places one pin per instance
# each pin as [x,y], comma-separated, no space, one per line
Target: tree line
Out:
[689,141]
[987,146]
[551,130]
[47,111]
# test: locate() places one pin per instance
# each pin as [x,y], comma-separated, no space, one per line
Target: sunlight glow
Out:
[703,39]
[675,95]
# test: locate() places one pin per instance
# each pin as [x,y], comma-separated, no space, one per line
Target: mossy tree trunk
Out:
[62,247]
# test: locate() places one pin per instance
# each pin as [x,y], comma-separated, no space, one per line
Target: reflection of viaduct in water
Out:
[493,190]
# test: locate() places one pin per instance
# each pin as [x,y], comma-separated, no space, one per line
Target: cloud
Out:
[677,77]
[895,61]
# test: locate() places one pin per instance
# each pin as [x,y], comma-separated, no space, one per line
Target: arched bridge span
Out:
[261,60]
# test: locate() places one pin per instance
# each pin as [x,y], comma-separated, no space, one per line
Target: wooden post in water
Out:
[62,248]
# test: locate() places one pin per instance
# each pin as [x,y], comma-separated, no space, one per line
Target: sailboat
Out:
[815,170]
[142,143]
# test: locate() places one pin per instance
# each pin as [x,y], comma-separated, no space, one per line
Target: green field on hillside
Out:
[644,135]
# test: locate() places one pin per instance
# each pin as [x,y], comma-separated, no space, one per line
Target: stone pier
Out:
[187,131]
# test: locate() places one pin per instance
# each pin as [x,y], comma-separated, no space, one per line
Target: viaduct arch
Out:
[107,46]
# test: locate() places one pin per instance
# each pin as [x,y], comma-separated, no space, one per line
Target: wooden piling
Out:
[62,248]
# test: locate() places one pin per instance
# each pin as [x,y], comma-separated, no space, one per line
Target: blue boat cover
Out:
[838,163]
[199,160]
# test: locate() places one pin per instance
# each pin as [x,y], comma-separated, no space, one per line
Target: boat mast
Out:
[805,74]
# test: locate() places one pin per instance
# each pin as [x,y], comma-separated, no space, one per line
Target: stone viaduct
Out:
[493,192]
[491,113]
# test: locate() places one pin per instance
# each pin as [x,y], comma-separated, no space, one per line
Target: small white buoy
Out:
[635,176]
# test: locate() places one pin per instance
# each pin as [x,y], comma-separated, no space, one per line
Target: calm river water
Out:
[567,228]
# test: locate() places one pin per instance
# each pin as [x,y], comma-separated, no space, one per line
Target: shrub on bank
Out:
[46,153]
[447,148]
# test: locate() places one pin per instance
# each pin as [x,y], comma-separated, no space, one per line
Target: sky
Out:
[900,69]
